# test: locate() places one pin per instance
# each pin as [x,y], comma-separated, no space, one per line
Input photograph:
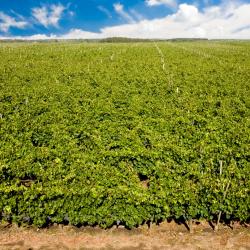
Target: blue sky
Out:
[131,18]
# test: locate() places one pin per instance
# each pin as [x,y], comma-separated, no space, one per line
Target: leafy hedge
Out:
[99,134]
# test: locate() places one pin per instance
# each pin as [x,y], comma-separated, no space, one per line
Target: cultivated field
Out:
[124,134]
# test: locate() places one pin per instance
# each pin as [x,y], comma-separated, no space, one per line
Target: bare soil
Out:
[165,236]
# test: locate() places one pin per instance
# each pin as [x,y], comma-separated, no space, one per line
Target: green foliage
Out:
[99,134]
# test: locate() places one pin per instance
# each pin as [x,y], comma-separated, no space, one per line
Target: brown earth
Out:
[166,236]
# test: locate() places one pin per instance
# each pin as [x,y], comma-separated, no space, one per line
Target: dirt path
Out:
[166,236]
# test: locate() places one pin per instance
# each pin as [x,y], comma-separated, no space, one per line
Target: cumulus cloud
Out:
[49,15]
[170,3]
[7,22]
[81,34]
[119,9]
[226,21]
[213,22]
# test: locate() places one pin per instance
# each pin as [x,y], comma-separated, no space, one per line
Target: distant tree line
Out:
[105,40]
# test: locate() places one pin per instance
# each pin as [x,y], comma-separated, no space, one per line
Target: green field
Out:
[104,134]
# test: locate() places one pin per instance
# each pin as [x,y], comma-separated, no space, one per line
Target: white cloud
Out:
[170,3]
[105,11]
[119,9]
[49,15]
[81,34]
[188,21]
[138,16]
[7,22]
[30,38]
[226,21]
[187,14]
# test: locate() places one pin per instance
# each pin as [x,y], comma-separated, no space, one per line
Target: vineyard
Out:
[124,133]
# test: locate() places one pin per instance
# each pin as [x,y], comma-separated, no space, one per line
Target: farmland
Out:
[131,133]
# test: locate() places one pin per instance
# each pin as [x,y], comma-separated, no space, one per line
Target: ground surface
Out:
[165,236]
